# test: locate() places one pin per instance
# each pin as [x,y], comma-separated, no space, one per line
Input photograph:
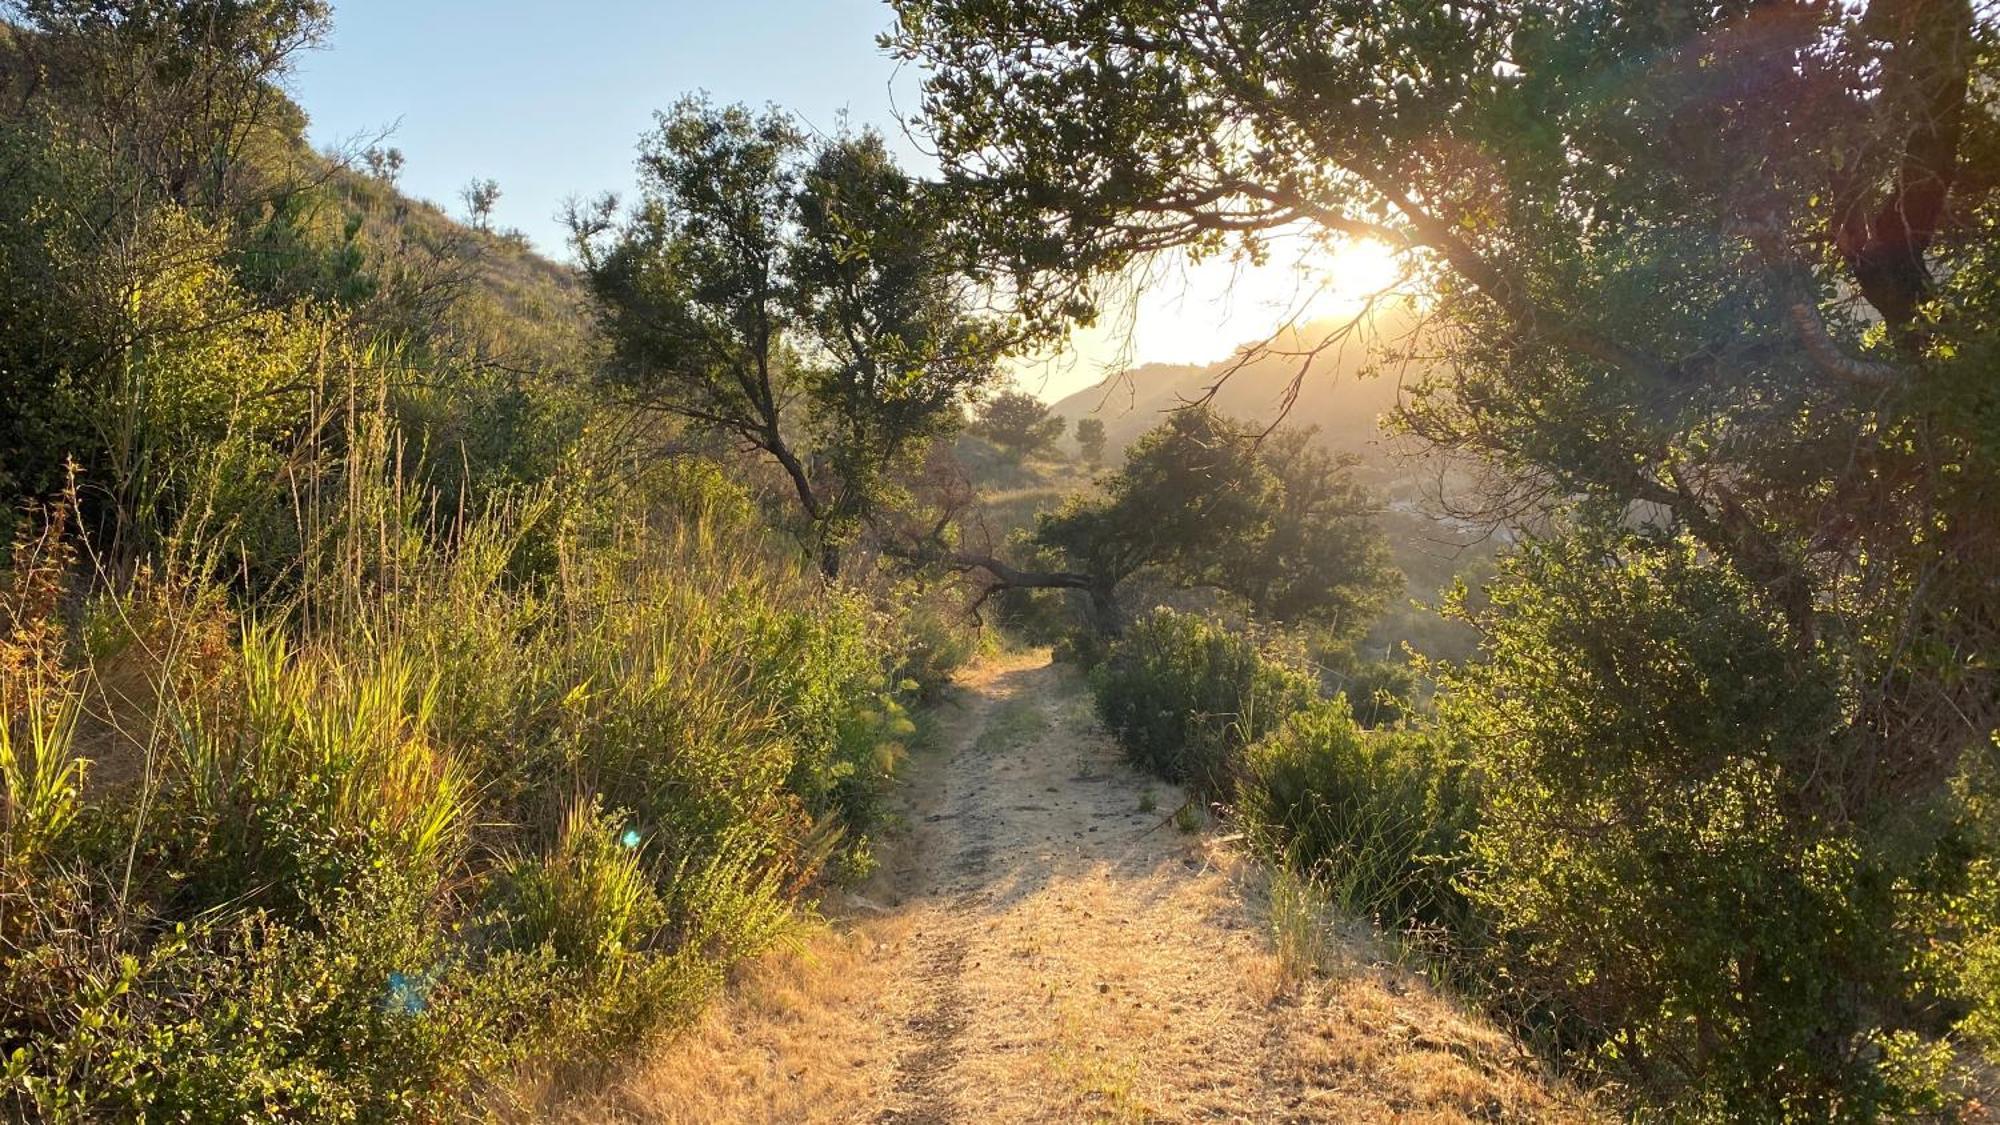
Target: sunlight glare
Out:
[1198,313]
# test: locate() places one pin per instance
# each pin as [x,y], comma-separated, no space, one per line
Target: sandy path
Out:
[1044,944]
[1066,938]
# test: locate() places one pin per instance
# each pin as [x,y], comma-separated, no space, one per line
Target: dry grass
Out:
[1037,949]
[799,1037]
[1378,1047]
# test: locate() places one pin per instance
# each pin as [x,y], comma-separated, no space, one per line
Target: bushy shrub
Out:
[1379,692]
[1037,617]
[1185,695]
[297,775]
[1381,818]
[1958,960]
[589,898]
[129,350]
[1666,842]
[938,640]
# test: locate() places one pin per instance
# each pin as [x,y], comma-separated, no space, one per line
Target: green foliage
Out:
[802,298]
[1040,617]
[1380,693]
[1323,559]
[1716,269]
[878,292]
[41,777]
[247,1020]
[297,776]
[1381,818]
[1190,490]
[1277,522]
[1017,422]
[589,898]
[144,145]
[1090,440]
[1184,696]
[180,92]
[937,640]
[127,352]
[1962,963]
[1664,842]
[480,197]
[177,363]
[1958,961]
[414,729]
[315,809]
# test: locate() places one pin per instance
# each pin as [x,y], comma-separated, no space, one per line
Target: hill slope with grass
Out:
[383,722]
[1343,392]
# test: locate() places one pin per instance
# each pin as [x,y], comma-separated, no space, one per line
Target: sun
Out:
[1299,282]
[1362,269]
[1201,312]
[1228,302]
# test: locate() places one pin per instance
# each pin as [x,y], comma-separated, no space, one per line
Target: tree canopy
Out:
[1278,523]
[802,297]
[1090,440]
[1018,422]
[1748,283]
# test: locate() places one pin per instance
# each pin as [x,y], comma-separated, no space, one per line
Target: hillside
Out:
[1342,392]
[381,721]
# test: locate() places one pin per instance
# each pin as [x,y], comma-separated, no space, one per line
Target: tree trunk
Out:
[1104,616]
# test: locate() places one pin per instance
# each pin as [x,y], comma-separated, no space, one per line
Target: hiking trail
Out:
[1044,942]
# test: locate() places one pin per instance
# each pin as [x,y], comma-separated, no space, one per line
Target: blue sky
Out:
[550,100]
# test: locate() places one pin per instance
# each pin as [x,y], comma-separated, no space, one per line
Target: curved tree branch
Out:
[1827,356]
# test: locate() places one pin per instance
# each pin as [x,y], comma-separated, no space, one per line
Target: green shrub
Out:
[589,898]
[1667,843]
[378,1012]
[41,777]
[1185,695]
[1085,648]
[1380,693]
[298,775]
[1961,962]
[937,640]
[1958,958]
[1379,818]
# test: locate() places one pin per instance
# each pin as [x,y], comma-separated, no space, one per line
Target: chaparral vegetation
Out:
[432,675]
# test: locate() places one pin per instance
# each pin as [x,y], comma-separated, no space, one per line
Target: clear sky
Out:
[550,97]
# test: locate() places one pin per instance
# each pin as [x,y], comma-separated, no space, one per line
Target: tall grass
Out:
[439,799]
[39,772]
[1378,819]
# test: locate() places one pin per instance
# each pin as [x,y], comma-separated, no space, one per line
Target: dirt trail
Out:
[1045,944]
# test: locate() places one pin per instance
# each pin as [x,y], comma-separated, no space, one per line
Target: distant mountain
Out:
[1337,391]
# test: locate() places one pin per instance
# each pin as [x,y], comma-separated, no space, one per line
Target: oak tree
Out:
[801,297]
